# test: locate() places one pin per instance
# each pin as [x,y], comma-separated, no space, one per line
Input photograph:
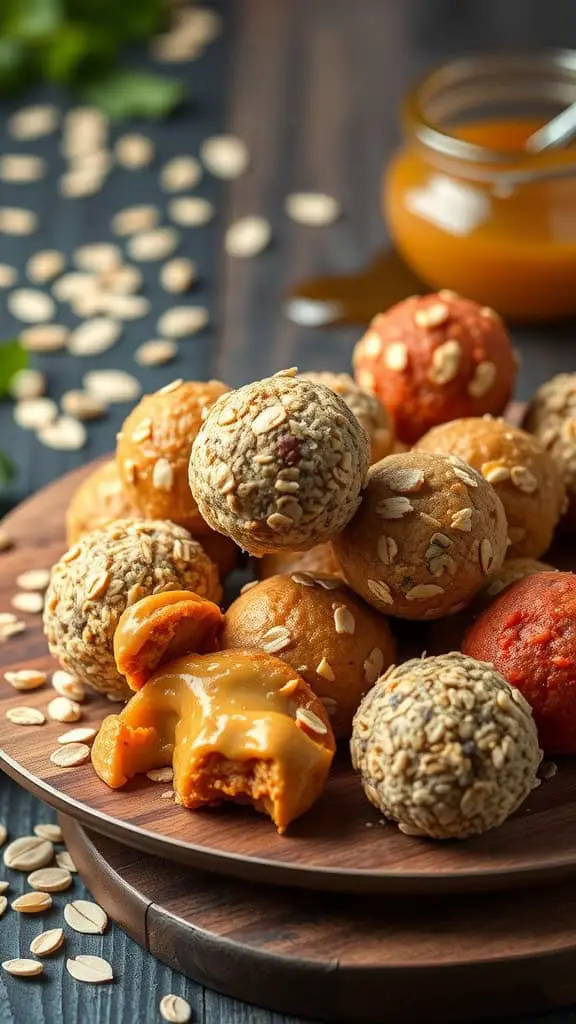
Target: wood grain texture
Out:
[341,958]
[341,844]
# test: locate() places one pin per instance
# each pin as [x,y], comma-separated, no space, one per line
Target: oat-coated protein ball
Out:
[108,570]
[332,638]
[445,747]
[524,475]
[366,407]
[434,358]
[279,465]
[319,559]
[529,634]
[551,415]
[154,448]
[100,499]
[427,535]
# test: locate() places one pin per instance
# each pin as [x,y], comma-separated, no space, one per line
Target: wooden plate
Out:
[341,844]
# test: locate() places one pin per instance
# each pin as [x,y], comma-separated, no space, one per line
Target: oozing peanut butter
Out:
[235,725]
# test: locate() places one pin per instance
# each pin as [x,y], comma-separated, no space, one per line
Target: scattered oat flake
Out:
[65,434]
[62,709]
[94,336]
[47,942]
[3,836]
[160,774]
[98,256]
[180,173]
[394,508]
[324,669]
[86,917]
[225,156]
[82,406]
[247,237]
[23,968]
[22,167]
[64,860]
[25,679]
[432,315]
[31,306]
[33,579]
[134,151]
[44,338]
[156,352]
[28,601]
[3,904]
[22,715]
[50,879]
[85,734]
[44,266]
[26,384]
[132,219]
[190,211]
[462,520]
[32,903]
[47,830]
[175,1009]
[311,721]
[178,275]
[79,182]
[70,755]
[112,385]
[168,794]
[153,245]
[92,969]
[14,220]
[183,321]
[67,685]
[8,275]
[406,481]
[34,121]
[35,413]
[312,208]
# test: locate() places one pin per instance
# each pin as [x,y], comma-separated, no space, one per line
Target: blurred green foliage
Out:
[12,358]
[77,43]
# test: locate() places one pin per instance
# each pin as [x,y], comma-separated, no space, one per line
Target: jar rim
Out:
[540,65]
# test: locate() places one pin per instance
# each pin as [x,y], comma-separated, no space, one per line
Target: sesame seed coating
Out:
[429,532]
[445,747]
[525,476]
[279,464]
[551,415]
[366,407]
[108,570]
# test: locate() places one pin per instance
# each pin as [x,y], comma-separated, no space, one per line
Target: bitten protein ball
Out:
[279,465]
[445,747]
[154,448]
[427,535]
[529,634]
[98,500]
[551,415]
[525,477]
[366,407]
[317,560]
[320,627]
[435,358]
[108,570]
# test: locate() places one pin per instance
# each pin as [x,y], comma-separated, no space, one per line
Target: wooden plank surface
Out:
[313,86]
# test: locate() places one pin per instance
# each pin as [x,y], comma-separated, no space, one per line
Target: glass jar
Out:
[469,208]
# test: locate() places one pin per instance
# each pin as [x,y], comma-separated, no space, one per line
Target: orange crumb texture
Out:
[235,725]
[529,634]
[435,358]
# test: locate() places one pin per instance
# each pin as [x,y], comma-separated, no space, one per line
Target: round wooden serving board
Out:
[341,844]
[340,957]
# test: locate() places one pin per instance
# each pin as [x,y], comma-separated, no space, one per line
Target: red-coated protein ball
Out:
[529,635]
[435,358]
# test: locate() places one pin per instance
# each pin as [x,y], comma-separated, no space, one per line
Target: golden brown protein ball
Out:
[279,465]
[367,408]
[98,500]
[108,570]
[447,634]
[551,416]
[319,559]
[428,533]
[524,475]
[316,624]
[445,747]
[154,449]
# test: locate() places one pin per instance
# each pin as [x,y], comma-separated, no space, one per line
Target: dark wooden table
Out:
[313,86]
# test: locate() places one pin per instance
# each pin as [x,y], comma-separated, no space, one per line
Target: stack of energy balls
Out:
[398,496]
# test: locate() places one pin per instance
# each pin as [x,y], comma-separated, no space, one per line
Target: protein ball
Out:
[108,570]
[551,416]
[435,358]
[445,747]
[279,465]
[154,448]
[529,633]
[428,533]
[367,409]
[320,559]
[524,475]
[320,627]
[100,499]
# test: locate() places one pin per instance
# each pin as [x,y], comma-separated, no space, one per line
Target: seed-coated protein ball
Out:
[279,465]
[366,407]
[428,534]
[445,747]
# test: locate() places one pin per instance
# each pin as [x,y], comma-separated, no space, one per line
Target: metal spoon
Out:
[555,133]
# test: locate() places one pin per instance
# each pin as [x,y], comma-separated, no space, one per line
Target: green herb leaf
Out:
[6,470]
[15,65]
[134,94]
[33,19]
[12,358]
[68,48]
